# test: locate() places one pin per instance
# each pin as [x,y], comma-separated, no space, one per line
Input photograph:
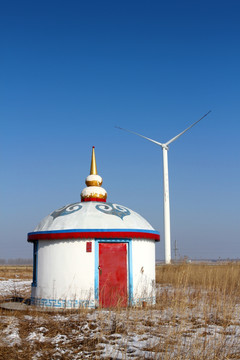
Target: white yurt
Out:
[93,253]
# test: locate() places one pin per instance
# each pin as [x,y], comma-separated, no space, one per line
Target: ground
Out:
[197,316]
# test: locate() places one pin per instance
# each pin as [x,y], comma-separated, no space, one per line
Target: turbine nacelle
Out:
[164,146]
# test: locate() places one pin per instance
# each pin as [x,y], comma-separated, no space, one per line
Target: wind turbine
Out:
[166,204]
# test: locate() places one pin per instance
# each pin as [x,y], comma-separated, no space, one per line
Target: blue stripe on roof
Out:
[94,230]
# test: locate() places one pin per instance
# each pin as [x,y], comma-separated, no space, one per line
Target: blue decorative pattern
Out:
[66,210]
[59,303]
[76,304]
[113,209]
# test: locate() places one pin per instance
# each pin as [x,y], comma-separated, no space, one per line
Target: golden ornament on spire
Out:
[93,169]
[93,191]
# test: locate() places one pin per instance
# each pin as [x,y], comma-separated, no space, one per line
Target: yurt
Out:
[93,253]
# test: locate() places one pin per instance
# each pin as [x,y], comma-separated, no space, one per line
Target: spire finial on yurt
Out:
[93,169]
[93,191]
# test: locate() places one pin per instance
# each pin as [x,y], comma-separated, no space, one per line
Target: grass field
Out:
[13,272]
[196,316]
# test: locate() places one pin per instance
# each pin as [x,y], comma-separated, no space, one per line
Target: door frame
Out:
[129,267]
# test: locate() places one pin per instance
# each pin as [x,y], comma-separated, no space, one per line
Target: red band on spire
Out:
[92,199]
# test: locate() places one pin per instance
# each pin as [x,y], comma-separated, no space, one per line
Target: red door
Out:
[112,274]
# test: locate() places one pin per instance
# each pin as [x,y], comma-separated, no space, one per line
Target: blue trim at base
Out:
[77,304]
[59,303]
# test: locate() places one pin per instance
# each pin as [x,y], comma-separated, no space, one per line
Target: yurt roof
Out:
[93,217]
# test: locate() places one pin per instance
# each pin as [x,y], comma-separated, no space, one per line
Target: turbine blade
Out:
[156,142]
[177,136]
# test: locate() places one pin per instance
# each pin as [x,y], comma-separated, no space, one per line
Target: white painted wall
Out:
[65,270]
[143,264]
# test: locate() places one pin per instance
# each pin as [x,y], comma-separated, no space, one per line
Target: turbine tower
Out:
[166,203]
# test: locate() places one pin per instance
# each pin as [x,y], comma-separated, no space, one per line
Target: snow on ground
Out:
[196,330]
[10,333]
[13,287]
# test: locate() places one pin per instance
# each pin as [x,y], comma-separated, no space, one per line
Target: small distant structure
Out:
[93,253]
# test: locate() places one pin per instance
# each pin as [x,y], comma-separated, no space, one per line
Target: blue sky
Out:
[72,70]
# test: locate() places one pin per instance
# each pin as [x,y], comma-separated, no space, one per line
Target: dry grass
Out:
[17,271]
[223,277]
[196,316]
[14,275]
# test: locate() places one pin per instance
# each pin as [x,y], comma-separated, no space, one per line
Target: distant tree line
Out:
[18,261]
